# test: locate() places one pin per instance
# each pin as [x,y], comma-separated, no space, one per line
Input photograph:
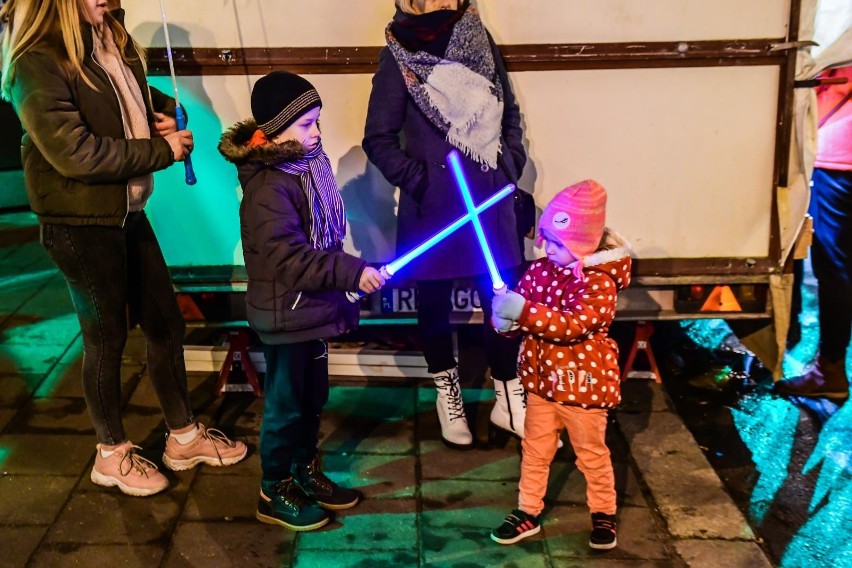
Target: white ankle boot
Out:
[454,430]
[510,406]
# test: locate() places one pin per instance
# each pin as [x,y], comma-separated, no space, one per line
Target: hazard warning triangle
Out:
[721,299]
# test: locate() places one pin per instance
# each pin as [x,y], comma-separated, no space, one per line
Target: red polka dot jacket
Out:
[567,354]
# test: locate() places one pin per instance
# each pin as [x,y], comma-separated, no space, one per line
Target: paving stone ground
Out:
[425,505]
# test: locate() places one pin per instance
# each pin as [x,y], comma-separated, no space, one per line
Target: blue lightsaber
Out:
[454,159]
[472,215]
[388,270]
[180,114]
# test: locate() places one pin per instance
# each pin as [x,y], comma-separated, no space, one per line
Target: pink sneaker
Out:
[129,471]
[210,446]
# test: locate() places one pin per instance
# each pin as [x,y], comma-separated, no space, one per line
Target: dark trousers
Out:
[112,272]
[433,321]
[295,391]
[831,254]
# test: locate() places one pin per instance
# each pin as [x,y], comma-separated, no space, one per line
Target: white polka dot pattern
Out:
[567,355]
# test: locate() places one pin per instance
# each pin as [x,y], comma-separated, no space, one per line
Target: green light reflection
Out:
[767,426]
[197,225]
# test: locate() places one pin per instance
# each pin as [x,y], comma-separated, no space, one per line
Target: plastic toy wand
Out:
[180,114]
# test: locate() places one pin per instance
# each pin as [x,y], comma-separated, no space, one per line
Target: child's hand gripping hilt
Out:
[180,119]
[356,296]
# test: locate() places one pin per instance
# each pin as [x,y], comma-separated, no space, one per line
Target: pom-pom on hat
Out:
[279,98]
[577,217]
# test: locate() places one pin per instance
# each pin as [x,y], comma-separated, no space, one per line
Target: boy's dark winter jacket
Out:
[77,160]
[295,292]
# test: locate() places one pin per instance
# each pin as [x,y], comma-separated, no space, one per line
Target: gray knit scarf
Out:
[328,219]
[460,94]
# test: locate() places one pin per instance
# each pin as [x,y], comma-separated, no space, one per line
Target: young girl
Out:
[95,133]
[441,84]
[568,364]
[292,225]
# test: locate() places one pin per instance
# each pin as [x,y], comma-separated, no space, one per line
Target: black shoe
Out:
[604,529]
[323,490]
[284,503]
[516,526]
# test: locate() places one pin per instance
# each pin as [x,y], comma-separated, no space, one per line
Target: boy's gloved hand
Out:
[508,305]
[501,324]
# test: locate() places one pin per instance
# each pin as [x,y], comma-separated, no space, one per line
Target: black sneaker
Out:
[284,503]
[321,489]
[516,526]
[604,529]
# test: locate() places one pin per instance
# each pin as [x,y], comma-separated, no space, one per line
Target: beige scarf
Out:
[133,113]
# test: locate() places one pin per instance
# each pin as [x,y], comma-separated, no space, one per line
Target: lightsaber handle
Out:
[356,296]
[180,119]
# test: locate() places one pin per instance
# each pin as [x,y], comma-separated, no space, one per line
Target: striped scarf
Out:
[328,220]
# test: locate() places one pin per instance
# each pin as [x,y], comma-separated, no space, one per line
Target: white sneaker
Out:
[454,430]
[510,406]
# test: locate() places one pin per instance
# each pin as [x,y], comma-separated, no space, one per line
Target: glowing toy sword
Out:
[180,114]
[391,268]
[454,159]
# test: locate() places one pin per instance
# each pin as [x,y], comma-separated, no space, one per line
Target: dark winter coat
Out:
[77,160]
[295,292]
[429,199]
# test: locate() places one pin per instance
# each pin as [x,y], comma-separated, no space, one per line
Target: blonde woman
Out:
[441,84]
[94,134]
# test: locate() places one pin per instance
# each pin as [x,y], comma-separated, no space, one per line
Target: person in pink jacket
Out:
[568,364]
[831,252]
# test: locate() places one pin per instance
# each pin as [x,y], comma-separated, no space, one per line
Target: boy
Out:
[292,224]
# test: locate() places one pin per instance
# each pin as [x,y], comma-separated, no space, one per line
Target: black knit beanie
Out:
[279,98]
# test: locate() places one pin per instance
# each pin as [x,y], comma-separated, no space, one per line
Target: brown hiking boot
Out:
[827,379]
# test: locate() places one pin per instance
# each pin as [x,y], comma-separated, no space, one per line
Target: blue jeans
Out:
[114,273]
[295,392]
[831,254]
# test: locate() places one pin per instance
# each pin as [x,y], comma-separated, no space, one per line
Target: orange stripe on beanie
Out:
[577,217]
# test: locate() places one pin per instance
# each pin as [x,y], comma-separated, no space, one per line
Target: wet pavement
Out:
[425,505]
[787,462]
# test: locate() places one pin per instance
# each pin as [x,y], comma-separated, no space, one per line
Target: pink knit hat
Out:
[577,217]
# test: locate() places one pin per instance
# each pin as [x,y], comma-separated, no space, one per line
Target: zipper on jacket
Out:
[298,297]
[123,126]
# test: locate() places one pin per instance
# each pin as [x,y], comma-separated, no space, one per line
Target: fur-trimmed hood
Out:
[236,148]
[617,248]
[614,260]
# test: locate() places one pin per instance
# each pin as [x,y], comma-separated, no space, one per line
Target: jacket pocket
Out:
[417,190]
[45,235]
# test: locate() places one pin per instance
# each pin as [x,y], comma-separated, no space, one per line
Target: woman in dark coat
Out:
[441,84]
